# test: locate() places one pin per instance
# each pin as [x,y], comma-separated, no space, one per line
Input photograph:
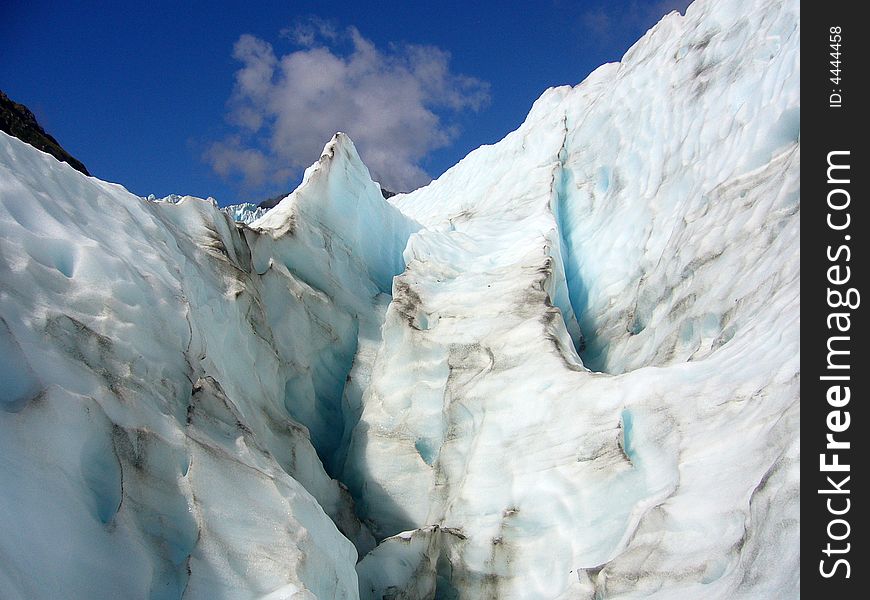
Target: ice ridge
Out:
[567,368]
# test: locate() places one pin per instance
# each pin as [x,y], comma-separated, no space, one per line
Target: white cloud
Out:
[307,33]
[229,158]
[394,104]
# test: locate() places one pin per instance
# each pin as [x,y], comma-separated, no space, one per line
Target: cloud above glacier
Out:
[397,104]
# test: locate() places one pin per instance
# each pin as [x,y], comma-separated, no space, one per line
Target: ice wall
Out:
[167,388]
[662,197]
[568,368]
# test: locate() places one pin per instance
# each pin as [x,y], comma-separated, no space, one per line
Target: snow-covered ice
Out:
[568,368]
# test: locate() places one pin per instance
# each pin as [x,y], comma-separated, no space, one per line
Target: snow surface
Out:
[568,368]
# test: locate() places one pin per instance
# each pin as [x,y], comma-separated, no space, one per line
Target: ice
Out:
[673,225]
[568,368]
[19,381]
[145,422]
[245,213]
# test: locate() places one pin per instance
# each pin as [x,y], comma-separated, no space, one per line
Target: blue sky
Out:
[234,100]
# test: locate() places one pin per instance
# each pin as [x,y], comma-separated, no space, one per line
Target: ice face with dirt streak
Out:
[654,208]
[568,368]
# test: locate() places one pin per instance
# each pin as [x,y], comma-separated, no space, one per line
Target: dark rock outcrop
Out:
[17,120]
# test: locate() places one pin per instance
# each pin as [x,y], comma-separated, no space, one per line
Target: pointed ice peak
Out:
[339,143]
[338,197]
[339,175]
[339,152]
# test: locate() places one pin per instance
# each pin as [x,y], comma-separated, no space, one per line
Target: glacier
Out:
[567,368]
[246,212]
